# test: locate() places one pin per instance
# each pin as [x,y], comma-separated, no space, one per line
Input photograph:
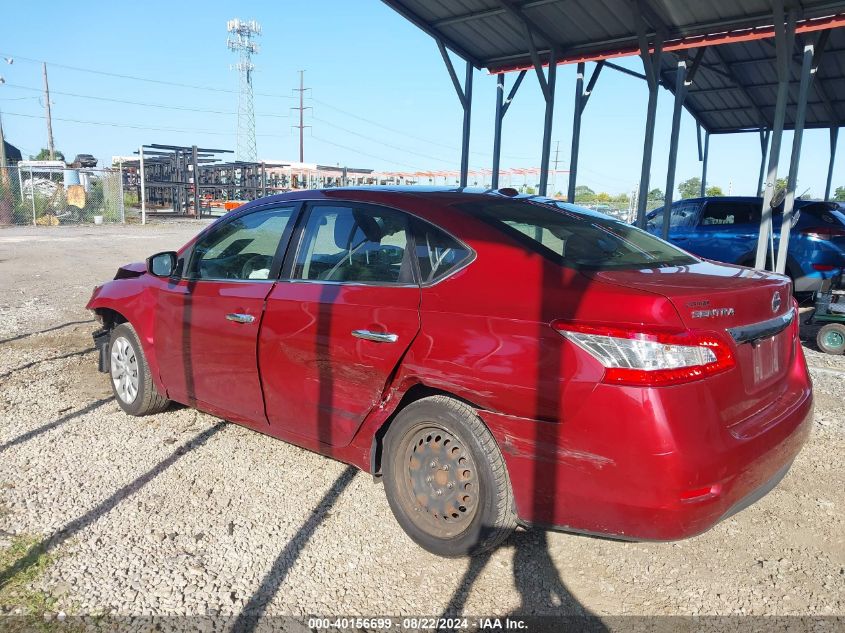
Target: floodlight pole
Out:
[143,188]
[502,105]
[834,137]
[789,203]
[680,93]
[784,41]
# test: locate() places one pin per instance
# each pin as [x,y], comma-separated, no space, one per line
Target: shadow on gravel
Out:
[541,589]
[49,329]
[52,425]
[33,554]
[252,612]
[45,360]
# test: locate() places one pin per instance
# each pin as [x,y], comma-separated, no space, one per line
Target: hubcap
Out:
[124,370]
[441,480]
[834,339]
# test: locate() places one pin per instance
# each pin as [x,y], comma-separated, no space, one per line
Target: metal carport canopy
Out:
[733,69]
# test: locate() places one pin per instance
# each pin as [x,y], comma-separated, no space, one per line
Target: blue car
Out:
[725,229]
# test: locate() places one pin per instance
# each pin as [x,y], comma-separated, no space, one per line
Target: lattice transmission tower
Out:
[240,40]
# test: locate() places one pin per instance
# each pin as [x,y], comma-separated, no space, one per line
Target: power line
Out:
[357,151]
[404,133]
[380,142]
[121,125]
[138,103]
[135,78]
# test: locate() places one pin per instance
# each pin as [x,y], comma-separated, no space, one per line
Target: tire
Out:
[129,374]
[831,338]
[474,510]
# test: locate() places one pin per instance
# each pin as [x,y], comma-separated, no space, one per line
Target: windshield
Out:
[578,239]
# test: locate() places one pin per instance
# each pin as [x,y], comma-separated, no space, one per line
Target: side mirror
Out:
[162,264]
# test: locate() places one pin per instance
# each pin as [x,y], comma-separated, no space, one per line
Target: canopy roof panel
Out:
[735,88]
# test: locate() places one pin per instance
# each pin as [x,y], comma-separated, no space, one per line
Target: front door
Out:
[334,331]
[208,322]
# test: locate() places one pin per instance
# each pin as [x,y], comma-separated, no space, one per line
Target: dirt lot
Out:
[182,513]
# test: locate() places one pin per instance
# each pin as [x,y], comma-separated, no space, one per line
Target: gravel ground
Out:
[182,513]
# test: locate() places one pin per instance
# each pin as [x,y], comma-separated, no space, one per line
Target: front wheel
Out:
[831,338]
[130,375]
[446,480]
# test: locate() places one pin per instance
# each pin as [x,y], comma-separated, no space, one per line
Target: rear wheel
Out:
[446,480]
[831,338]
[130,375]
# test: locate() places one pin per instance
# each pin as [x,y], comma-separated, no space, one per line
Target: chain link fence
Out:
[52,197]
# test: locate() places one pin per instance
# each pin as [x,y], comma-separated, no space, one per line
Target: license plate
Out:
[766,359]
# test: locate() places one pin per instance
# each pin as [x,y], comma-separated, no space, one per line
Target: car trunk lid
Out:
[752,308]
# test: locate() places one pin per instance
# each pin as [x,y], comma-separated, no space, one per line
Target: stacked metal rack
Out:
[170,185]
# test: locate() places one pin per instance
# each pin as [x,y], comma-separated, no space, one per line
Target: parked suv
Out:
[726,229]
[493,360]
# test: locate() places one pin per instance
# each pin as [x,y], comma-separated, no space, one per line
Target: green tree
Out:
[584,194]
[714,190]
[690,188]
[44,154]
[656,195]
[839,194]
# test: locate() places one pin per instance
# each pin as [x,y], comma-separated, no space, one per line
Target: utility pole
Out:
[557,150]
[2,153]
[49,116]
[302,108]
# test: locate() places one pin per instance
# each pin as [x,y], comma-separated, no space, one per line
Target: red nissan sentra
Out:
[496,360]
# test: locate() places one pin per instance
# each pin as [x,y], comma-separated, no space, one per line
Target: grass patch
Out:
[21,564]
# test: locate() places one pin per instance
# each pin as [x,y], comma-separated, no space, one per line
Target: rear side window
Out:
[438,254]
[355,244]
[578,239]
[729,213]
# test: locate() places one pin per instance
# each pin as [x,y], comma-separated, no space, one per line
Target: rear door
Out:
[207,324]
[338,323]
[727,231]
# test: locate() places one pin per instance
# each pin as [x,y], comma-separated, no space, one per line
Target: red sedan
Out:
[495,360]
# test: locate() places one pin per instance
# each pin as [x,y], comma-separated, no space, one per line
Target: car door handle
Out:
[378,337]
[240,318]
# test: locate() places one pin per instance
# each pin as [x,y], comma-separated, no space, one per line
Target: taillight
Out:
[649,356]
[825,268]
[823,232]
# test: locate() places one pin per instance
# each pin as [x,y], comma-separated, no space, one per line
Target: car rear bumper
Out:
[638,474]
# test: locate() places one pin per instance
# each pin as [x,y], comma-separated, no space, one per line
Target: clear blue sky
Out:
[361,60]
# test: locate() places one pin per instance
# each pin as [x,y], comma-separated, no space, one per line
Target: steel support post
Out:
[497,129]
[834,137]
[581,98]
[467,121]
[792,180]
[784,41]
[764,148]
[704,159]
[502,105]
[680,93]
[576,131]
[465,97]
[549,94]
[651,65]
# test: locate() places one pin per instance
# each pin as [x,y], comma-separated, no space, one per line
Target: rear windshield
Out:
[578,239]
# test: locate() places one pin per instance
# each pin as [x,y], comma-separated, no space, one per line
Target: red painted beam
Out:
[696,41]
